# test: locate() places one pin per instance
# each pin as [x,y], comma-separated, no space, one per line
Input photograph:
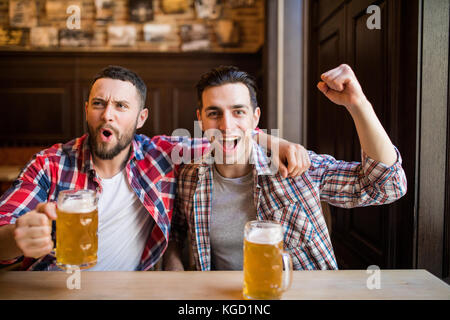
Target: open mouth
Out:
[106,134]
[230,144]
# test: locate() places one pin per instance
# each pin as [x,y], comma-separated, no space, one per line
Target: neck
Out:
[238,169]
[233,170]
[109,168]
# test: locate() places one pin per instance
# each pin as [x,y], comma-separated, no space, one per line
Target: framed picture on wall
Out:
[208,9]
[141,10]
[44,37]
[174,6]
[22,13]
[194,37]
[240,3]
[74,38]
[123,36]
[13,36]
[157,32]
[104,11]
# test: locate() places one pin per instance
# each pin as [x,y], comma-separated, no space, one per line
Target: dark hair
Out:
[121,73]
[223,75]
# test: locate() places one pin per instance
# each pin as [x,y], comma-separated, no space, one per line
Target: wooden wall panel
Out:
[47,111]
[52,87]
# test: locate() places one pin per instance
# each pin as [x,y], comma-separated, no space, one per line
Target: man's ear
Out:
[256,116]
[85,109]
[143,115]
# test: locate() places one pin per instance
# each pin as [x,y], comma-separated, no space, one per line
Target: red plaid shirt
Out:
[293,202]
[150,172]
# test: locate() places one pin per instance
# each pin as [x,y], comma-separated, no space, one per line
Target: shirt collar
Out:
[86,154]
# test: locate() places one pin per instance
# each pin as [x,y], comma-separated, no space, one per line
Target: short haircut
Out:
[121,73]
[224,75]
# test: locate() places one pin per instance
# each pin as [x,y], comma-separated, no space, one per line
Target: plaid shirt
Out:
[293,202]
[150,172]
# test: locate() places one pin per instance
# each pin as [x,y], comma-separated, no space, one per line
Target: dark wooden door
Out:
[380,235]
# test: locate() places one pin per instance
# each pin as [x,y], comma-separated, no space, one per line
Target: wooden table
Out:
[218,285]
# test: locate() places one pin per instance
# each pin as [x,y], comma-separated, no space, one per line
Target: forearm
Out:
[8,247]
[373,138]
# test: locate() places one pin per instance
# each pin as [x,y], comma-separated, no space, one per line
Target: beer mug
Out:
[76,229]
[263,261]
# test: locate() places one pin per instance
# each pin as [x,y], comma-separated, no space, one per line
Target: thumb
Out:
[282,169]
[47,208]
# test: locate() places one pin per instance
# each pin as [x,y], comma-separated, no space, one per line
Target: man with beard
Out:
[133,175]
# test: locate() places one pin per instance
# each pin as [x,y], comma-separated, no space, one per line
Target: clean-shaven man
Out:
[234,184]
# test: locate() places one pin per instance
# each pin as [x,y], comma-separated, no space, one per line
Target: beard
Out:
[102,149]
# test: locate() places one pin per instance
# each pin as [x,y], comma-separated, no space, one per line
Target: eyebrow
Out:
[236,106]
[116,101]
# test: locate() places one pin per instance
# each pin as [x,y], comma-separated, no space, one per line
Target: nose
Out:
[226,121]
[107,114]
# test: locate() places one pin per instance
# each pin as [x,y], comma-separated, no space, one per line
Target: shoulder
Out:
[161,143]
[142,141]
[60,155]
[60,150]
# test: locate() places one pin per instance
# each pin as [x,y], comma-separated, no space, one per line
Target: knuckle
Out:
[23,219]
[43,219]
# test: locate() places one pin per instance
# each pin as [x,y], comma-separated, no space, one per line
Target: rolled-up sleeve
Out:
[356,184]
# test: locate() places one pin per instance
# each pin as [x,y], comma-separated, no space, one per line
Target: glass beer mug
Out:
[263,261]
[76,229]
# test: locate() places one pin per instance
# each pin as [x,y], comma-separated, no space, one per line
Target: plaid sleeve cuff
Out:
[378,172]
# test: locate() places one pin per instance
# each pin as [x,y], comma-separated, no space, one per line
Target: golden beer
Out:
[263,261]
[76,229]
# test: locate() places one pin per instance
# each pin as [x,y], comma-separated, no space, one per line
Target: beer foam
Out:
[77,206]
[265,236]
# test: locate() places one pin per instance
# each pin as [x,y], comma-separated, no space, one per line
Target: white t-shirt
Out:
[123,226]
